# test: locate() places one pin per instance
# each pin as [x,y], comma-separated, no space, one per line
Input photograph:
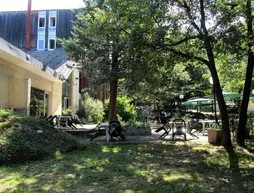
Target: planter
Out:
[138,131]
[215,136]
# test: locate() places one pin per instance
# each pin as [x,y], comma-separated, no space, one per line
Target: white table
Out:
[203,124]
[61,119]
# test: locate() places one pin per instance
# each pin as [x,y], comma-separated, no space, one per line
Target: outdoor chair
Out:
[178,128]
[51,119]
[96,132]
[166,128]
[77,121]
[71,123]
[194,127]
[116,130]
[43,117]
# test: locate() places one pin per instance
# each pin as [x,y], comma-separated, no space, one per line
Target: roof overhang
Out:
[15,56]
[66,69]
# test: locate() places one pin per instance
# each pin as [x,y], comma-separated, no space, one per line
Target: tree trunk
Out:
[222,106]
[113,86]
[112,100]
[245,101]
[218,91]
[241,133]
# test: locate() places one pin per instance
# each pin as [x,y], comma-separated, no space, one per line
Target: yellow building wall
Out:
[55,99]
[4,93]
[16,83]
[17,93]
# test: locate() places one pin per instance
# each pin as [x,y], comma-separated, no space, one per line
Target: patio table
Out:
[203,122]
[64,120]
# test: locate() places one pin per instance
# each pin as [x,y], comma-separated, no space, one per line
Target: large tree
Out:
[190,29]
[241,134]
[97,44]
[103,43]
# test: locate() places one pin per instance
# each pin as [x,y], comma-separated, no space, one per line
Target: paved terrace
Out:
[153,138]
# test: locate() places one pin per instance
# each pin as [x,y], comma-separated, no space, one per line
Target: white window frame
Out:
[49,44]
[50,21]
[44,22]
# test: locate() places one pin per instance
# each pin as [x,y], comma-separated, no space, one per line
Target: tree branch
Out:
[156,21]
[183,40]
[188,11]
[188,56]
[202,13]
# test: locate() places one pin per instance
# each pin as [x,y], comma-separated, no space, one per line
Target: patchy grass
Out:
[126,168]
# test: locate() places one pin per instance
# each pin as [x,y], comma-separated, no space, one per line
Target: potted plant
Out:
[215,134]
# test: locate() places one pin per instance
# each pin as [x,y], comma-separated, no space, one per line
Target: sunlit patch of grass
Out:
[58,155]
[131,168]
[107,149]
[128,191]
[116,149]
[16,179]
[90,163]
[47,187]
[176,176]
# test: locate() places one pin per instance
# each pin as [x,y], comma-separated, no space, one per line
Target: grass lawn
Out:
[164,167]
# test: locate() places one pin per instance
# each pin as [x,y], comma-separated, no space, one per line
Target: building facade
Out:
[38,39]
[36,33]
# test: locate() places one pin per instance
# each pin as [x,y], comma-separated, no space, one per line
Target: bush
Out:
[27,138]
[124,108]
[91,110]
[67,111]
[4,113]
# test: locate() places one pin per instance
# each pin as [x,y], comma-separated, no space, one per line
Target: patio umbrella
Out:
[198,102]
[228,96]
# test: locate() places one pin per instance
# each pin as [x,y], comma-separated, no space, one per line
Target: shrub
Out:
[4,113]
[67,111]
[28,138]
[124,108]
[90,110]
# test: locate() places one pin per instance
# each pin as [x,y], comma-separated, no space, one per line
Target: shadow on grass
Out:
[163,167]
[235,170]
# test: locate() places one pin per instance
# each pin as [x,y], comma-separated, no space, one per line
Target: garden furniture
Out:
[178,128]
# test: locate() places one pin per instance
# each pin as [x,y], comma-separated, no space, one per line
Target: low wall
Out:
[137,131]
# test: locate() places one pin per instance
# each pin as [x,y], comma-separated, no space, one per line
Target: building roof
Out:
[10,52]
[55,59]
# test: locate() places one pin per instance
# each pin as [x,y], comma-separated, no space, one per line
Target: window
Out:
[41,22]
[66,103]
[41,44]
[52,44]
[46,103]
[52,22]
